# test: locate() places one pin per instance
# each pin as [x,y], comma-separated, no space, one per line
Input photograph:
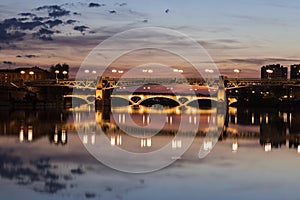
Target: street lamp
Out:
[269,72]
[149,71]
[31,73]
[65,74]
[178,70]
[117,71]
[22,78]
[56,73]
[237,71]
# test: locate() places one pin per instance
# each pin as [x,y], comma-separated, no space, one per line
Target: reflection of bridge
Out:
[178,100]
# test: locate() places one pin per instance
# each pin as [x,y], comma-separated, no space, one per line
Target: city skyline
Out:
[237,34]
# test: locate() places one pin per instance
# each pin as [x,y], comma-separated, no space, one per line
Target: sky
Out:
[239,34]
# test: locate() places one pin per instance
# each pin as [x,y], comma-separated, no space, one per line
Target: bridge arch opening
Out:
[119,102]
[161,101]
[202,103]
[70,101]
[135,99]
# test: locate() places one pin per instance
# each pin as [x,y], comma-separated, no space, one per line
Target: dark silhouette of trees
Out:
[63,71]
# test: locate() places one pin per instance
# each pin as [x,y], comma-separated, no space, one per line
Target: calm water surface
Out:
[43,157]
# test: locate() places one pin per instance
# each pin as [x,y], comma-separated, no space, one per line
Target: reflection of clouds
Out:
[39,174]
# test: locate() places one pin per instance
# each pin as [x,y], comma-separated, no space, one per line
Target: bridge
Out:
[103,89]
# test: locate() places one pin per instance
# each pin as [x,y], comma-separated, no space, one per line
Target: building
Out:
[19,75]
[275,71]
[295,71]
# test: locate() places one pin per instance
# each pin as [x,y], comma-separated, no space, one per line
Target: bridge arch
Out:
[86,99]
[202,102]
[162,100]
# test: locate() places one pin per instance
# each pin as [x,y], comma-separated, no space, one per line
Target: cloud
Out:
[8,62]
[11,36]
[44,31]
[44,34]
[255,19]
[81,28]
[222,44]
[54,10]
[52,23]
[121,4]
[59,13]
[91,5]
[71,21]
[30,56]
[36,18]
[262,61]
[76,13]
[17,24]
[27,14]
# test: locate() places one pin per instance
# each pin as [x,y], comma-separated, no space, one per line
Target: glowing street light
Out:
[56,73]
[117,71]
[269,72]
[31,73]
[65,74]
[209,71]
[178,70]
[237,72]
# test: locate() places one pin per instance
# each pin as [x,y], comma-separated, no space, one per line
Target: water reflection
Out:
[273,128]
[51,143]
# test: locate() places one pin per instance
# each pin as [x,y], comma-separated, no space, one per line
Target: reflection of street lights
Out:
[269,72]
[56,73]
[65,74]
[235,145]
[268,147]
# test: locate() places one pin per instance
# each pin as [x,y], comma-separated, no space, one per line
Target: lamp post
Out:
[65,74]
[32,74]
[269,72]
[237,72]
[149,71]
[56,73]
[209,71]
[22,77]
[115,71]
[178,70]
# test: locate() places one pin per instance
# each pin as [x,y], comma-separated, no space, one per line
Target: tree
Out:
[63,71]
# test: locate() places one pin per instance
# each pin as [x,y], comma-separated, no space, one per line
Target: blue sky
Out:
[236,33]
